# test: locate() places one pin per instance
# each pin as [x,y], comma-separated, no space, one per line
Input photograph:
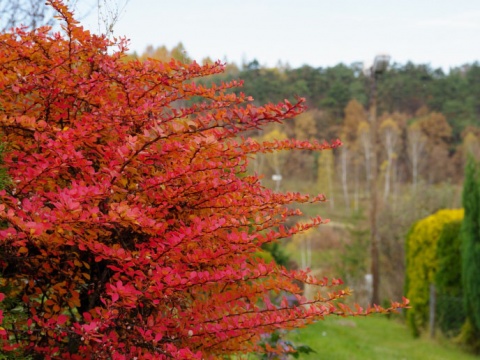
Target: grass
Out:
[372,338]
[375,337]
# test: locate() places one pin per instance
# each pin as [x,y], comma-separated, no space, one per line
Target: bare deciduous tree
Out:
[108,14]
[29,13]
[36,13]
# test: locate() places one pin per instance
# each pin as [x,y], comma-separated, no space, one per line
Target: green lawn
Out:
[371,338]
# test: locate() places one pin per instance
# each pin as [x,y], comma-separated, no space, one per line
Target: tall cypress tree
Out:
[448,279]
[471,243]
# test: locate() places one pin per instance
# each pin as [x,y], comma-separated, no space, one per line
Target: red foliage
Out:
[130,227]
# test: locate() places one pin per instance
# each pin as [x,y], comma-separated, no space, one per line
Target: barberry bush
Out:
[129,224]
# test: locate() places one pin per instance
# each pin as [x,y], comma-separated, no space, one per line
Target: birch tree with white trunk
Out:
[389,135]
[416,142]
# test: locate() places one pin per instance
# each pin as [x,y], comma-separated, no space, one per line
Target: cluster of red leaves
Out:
[129,226]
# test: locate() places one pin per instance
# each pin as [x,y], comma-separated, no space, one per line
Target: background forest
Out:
[428,121]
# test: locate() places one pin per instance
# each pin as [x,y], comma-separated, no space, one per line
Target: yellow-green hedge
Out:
[422,263]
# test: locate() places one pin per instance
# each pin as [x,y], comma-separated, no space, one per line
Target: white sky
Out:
[442,33]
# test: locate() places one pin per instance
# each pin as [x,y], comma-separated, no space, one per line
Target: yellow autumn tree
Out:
[325,176]
[422,263]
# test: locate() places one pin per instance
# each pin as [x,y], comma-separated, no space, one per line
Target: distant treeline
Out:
[404,88]
[428,120]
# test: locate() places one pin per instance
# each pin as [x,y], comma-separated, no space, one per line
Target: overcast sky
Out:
[442,33]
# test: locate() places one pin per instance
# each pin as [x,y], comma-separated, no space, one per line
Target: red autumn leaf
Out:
[61,319]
